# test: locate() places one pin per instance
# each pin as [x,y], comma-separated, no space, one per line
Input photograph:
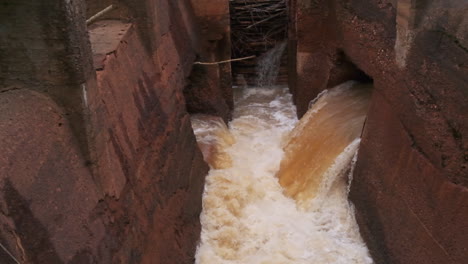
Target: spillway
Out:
[261,202]
[321,146]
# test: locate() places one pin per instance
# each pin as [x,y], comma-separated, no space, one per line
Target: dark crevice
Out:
[9,89]
[343,69]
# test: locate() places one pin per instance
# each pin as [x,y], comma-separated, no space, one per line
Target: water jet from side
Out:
[322,144]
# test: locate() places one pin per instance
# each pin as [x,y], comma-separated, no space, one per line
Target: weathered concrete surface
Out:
[44,46]
[137,197]
[203,94]
[210,88]
[310,66]
[203,34]
[48,196]
[409,212]
[105,37]
[148,164]
[411,178]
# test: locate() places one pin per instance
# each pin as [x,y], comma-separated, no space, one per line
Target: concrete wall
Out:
[203,93]
[98,161]
[411,178]
[47,52]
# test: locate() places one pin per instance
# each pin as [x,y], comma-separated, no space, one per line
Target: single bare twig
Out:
[99,14]
[224,61]
[9,254]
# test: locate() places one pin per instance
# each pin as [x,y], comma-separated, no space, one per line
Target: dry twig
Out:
[224,61]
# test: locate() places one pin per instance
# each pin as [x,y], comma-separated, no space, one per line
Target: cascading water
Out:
[248,216]
[328,134]
[268,65]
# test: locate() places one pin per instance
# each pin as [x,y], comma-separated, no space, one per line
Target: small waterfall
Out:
[268,65]
[247,218]
[322,145]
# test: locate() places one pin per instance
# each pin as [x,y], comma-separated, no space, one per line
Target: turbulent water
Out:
[314,152]
[248,217]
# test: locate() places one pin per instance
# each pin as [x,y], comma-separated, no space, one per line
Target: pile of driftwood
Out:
[256,26]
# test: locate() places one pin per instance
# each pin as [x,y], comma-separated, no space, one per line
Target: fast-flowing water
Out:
[268,65]
[328,135]
[248,217]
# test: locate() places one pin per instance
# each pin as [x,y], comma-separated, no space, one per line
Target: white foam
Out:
[247,219]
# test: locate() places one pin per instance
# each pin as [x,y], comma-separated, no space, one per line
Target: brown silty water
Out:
[334,121]
[256,211]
